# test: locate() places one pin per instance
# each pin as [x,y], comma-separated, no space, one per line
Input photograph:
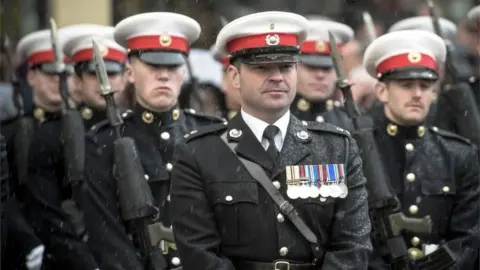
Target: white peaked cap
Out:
[157,31]
[404,49]
[318,40]
[473,16]
[36,48]
[449,29]
[223,59]
[80,47]
[265,29]
[205,68]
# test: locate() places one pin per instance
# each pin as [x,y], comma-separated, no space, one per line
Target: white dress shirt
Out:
[258,127]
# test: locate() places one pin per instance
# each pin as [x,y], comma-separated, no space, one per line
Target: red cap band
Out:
[44,57]
[413,59]
[108,54]
[262,40]
[158,42]
[317,47]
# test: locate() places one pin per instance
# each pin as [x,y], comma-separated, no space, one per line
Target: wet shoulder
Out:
[324,128]
[205,131]
[450,136]
[202,119]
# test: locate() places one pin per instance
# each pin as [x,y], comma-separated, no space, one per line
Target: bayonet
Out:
[435,19]
[369,27]
[100,70]
[59,65]
[342,82]
[113,114]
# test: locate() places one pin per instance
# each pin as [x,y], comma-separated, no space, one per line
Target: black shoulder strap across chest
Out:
[285,206]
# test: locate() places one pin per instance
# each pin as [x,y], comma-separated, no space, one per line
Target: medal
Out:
[335,191]
[304,191]
[344,189]
[293,192]
[314,192]
[324,191]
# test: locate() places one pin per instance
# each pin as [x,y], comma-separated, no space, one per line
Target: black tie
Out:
[270,132]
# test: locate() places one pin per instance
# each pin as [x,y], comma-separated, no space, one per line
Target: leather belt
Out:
[277,265]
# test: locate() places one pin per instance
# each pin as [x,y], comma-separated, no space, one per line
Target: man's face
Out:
[316,84]
[407,102]
[232,94]
[45,87]
[268,88]
[90,88]
[156,87]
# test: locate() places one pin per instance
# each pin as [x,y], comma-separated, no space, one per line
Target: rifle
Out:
[72,138]
[387,219]
[136,200]
[73,130]
[458,94]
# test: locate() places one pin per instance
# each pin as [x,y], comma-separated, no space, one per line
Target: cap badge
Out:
[272,40]
[103,50]
[165,40]
[320,46]
[414,57]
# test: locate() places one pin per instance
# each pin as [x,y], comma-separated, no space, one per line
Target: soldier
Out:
[232,95]
[158,44]
[222,218]
[206,85]
[78,47]
[449,111]
[316,76]
[45,189]
[433,173]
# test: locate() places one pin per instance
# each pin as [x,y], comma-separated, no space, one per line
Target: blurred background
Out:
[19,17]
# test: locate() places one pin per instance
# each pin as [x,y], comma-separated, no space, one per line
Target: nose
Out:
[276,75]
[417,92]
[320,73]
[161,74]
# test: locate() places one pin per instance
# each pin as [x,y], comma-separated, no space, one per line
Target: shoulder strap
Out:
[285,206]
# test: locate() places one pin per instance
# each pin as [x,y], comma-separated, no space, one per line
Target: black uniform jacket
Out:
[222,215]
[434,172]
[45,191]
[155,136]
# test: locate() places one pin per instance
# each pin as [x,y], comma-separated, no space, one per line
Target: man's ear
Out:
[129,72]
[234,75]
[382,92]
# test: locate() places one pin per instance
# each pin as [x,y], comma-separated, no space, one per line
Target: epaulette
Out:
[205,130]
[213,118]
[449,134]
[125,114]
[326,127]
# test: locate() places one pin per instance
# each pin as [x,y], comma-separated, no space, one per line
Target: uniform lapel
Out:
[248,146]
[296,146]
